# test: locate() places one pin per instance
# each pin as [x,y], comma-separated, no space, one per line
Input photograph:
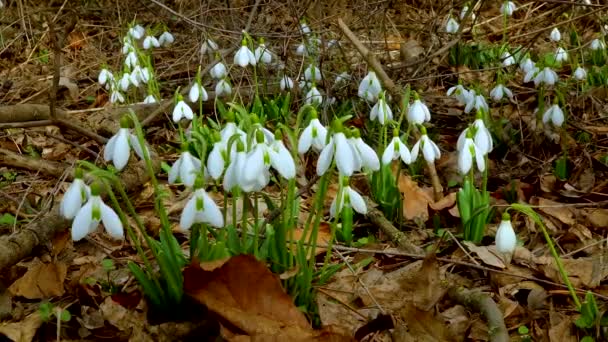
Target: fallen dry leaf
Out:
[41,281]
[487,254]
[415,200]
[23,331]
[558,210]
[597,217]
[563,331]
[323,237]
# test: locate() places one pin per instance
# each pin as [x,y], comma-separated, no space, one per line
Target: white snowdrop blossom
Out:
[185,169]
[131,60]
[312,74]
[396,149]
[478,102]
[580,74]
[218,71]
[452,25]
[105,76]
[554,114]
[116,97]
[430,151]
[555,35]
[89,216]
[381,112]
[342,151]
[507,8]
[208,45]
[140,74]
[181,111]
[313,96]
[137,32]
[507,59]
[460,93]
[166,39]
[349,198]
[234,172]
[418,113]
[223,88]
[366,155]
[301,50]
[201,208]
[314,135]
[281,159]
[197,91]
[215,160]
[262,54]
[506,240]
[370,87]
[546,76]
[561,55]
[150,42]
[125,81]
[499,92]
[118,148]
[597,44]
[244,57]
[286,83]
[74,197]
[531,74]
[150,99]
[482,137]
[526,65]
[467,153]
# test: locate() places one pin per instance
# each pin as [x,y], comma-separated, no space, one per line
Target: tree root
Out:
[377,217]
[483,303]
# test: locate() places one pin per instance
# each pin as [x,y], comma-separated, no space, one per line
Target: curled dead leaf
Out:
[41,281]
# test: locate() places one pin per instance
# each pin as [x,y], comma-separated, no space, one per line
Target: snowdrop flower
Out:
[499,92]
[476,101]
[197,91]
[430,151]
[526,65]
[215,160]
[507,59]
[182,110]
[418,112]
[395,149]
[312,74]
[345,155]
[505,236]
[546,76]
[166,39]
[313,135]
[125,81]
[133,79]
[140,74]
[201,208]
[460,93]
[223,88]
[262,54]
[343,77]
[481,137]
[150,42]
[131,60]
[93,212]
[261,158]
[313,96]
[452,25]
[74,197]
[597,44]
[281,159]
[370,87]
[580,74]
[305,29]
[555,115]
[464,11]
[104,76]
[218,71]
[531,74]
[243,57]
[230,129]
[137,32]
[349,198]
[301,50]
[367,156]
[555,35]
[381,111]
[561,55]
[118,148]
[185,168]
[208,45]
[116,97]
[150,99]
[286,83]
[467,153]
[507,8]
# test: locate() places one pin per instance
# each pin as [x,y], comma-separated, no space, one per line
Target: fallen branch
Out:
[483,303]
[377,217]
[394,90]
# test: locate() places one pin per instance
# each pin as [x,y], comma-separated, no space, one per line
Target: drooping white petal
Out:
[325,158]
[122,150]
[262,54]
[194,93]
[555,35]
[368,156]
[286,83]
[182,110]
[451,26]
[188,214]
[215,161]
[213,214]
[111,222]
[344,155]
[465,158]
[150,42]
[72,199]
[282,161]
[223,88]
[356,201]
[218,71]
[482,138]
[83,221]
[139,151]
[174,172]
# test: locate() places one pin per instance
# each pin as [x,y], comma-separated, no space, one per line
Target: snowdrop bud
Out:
[367,155]
[301,50]
[218,71]
[580,74]
[482,138]
[418,112]
[555,35]
[208,45]
[223,88]
[262,54]
[137,32]
[452,26]
[197,91]
[506,239]
[313,96]
[131,60]
[150,99]
[381,111]
[305,29]
[467,152]
[286,83]
[312,74]
[561,55]
[74,197]
[507,8]
[150,42]
[182,110]
[499,92]
[125,81]
[597,44]
[555,115]
[526,65]
[166,39]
